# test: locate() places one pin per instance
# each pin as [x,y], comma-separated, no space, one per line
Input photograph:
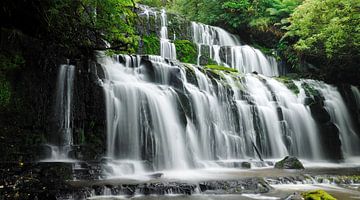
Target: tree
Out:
[328,28]
[88,23]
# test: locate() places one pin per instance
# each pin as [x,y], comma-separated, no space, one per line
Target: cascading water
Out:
[143,124]
[356,94]
[167,49]
[244,58]
[159,120]
[63,112]
[340,116]
[164,115]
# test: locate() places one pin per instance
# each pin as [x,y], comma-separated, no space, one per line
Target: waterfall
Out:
[142,121]
[244,58]
[340,116]
[167,49]
[63,112]
[167,116]
[356,94]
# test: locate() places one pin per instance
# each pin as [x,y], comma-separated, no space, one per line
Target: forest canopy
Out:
[300,33]
[324,33]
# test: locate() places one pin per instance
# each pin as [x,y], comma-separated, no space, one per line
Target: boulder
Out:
[246,165]
[289,162]
[317,194]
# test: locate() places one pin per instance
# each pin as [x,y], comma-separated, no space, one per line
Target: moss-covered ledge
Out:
[221,68]
[289,83]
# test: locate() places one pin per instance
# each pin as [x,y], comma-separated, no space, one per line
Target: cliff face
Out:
[28,119]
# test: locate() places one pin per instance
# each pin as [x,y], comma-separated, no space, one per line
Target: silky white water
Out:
[61,146]
[244,58]
[340,116]
[356,94]
[162,115]
[158,119]
[167,49]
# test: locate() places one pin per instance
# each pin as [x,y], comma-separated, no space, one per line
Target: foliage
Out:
[152,3]
[86,23]
[317,195]
[256,21]
[186,51]
[151,44]
[327,28]
[259,14]
[10,61]
[220,68]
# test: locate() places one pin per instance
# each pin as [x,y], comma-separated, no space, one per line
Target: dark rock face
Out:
[27,124]
[329,133]
[289,162]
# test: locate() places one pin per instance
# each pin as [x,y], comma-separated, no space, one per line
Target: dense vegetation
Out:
[77,26]
[323,33]
[33,31]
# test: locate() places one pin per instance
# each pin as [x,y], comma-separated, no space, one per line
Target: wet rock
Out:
[246,165]
[289,162]
[317,194]
[156,175]
[319,112]
[331,141]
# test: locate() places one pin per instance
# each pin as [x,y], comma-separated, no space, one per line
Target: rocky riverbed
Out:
[84,181]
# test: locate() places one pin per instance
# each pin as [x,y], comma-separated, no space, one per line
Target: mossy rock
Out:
[289,162]
[317,195]
[309,90]
[186,51]
[246,165]
[220,68]
[289,83]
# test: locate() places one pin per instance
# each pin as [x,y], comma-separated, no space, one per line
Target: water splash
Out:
[61,145]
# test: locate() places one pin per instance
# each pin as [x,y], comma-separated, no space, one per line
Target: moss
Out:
[289,83]
[186,51]
[309,90]
[317,195]
[151,44]
[220,68]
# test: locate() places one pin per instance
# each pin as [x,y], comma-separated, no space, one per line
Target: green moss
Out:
[317,195]
[289,83]
[220,68]
[186,51]
[151,44]
[309,90]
